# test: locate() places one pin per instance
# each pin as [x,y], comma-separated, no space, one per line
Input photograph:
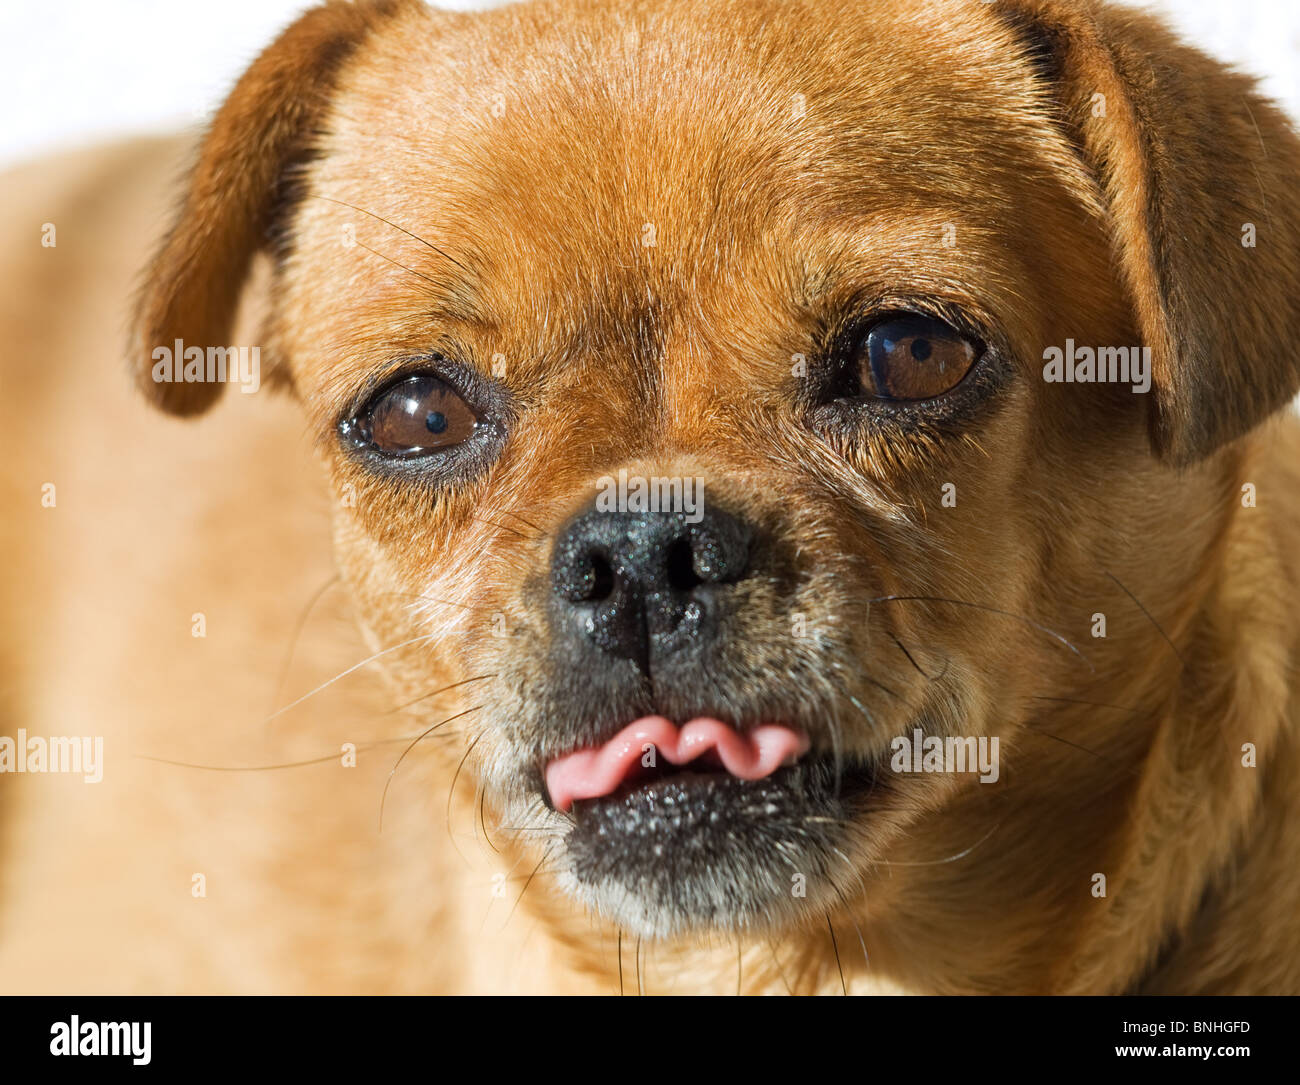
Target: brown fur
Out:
[1123,758]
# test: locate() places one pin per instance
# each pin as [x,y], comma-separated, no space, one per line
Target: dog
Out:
[766,496]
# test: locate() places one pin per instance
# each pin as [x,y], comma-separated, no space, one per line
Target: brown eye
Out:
[915,357]
[415,416]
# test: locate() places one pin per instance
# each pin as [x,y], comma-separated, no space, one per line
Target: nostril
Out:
[602,578]
[679,566]
[585,577]
[720,553]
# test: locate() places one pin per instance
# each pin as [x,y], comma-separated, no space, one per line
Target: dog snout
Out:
[644,586]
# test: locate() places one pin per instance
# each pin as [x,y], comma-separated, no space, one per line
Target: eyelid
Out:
[890,369]
[388,423]
[835,407]
[863,311]
[845,344]
[492,405]
[405,367]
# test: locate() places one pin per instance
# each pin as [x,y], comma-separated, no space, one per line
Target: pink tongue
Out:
[589,774]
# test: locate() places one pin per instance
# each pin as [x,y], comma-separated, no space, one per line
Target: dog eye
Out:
[914,357]
[415,416]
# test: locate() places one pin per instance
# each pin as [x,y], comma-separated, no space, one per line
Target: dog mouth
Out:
[653,746]
[706,825]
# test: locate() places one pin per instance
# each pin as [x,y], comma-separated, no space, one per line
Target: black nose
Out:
[646,585]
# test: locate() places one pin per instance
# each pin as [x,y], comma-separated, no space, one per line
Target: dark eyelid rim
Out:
[361,435]
[854,330]
[489,400]
[859,346]
[856,320]
[823,406]
[463,379]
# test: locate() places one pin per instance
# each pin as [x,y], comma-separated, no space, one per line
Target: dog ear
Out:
[1201,177]
[235,192]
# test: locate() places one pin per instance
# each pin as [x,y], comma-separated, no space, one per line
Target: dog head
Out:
[684,376]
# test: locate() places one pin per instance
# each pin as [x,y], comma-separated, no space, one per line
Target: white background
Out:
[72,71]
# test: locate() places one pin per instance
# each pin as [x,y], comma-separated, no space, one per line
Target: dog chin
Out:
[692,852]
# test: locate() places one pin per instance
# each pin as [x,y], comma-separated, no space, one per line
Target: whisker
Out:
[833,728]
[545,855]
[848,911]
[991,610]
[950,858]
[482,797]
[837,755]
[1159,628]
[1094,704]
[414,742]
[903,649]
[239,768]
[863,709]
[266,768]
[881,685]
[866,957]
[444,689]
[528,523]
[836,947]
[620,962]
[503,527]
[386,222]
[301,624]
[451,791]
[398,263]
[780,968]
[1083,749]
[1218,723]
[344,674]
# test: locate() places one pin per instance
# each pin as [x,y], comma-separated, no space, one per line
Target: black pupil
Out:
[435,422]
[921,349]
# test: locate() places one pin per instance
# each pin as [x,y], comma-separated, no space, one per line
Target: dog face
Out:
[679,373]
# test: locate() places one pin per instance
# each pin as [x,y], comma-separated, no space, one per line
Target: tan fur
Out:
[532,145]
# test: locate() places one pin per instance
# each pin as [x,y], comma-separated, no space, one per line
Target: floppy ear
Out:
[1202,180]
[192,287]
